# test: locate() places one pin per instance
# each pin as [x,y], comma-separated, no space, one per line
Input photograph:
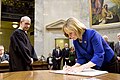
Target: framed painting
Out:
[105,13]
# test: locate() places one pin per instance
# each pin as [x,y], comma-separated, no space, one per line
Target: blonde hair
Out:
[74,25]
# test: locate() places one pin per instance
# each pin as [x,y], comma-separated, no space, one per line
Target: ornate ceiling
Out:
[12,10]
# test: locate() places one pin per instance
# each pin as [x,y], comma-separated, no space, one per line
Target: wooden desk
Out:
[38,65]
[45,75]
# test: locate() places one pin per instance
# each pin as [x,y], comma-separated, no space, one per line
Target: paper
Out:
[86,72]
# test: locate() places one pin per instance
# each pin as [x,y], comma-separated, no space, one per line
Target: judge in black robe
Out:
[21,52]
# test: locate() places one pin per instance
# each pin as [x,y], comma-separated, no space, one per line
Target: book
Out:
[86,72]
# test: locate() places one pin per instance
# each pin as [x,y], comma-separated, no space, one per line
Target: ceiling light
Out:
[15,24]
[1,33]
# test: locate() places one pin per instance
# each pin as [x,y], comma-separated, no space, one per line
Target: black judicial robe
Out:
[20,51]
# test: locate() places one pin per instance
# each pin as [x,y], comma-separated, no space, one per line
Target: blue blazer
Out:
[93,48]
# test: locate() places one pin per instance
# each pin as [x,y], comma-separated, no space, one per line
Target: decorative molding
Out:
[13,10]
[55,25]
[107,26]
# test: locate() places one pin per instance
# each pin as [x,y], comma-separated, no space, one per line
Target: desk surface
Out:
[46,75]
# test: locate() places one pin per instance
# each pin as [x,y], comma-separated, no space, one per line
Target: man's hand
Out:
[66,58]
[31,60]
[118,57]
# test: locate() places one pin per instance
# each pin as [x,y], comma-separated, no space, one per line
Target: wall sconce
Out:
[14,24]
[1,32]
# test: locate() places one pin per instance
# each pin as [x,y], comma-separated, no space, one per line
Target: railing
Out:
[37,65]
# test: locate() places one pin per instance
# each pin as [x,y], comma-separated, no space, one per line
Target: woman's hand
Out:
[70,69]
[77,69]
[66,68]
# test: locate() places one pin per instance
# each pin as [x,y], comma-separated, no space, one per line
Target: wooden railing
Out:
[37,65]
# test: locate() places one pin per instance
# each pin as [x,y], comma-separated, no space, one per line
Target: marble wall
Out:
[47,12]
[39,27]
[0,13]
[111,30]
[111,33]
[0,20]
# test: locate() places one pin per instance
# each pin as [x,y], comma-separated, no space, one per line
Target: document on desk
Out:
[86,72]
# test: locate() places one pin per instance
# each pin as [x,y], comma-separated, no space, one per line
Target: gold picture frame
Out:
[104,14]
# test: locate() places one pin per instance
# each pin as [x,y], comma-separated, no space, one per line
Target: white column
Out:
[0,21]
[39,28]
[0,13]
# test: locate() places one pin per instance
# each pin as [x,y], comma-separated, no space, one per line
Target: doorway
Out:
[61,42]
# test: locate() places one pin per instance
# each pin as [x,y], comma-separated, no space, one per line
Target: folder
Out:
[86,72]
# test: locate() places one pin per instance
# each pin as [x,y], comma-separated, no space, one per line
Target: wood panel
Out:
[38,65]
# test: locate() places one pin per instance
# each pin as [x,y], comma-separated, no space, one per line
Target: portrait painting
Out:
[105,12]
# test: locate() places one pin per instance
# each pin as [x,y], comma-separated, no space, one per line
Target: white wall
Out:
[62,9]
[49,11]
[111,33]
[0,14]
[39,27]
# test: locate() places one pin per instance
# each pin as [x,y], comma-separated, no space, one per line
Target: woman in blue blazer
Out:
[91,49]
